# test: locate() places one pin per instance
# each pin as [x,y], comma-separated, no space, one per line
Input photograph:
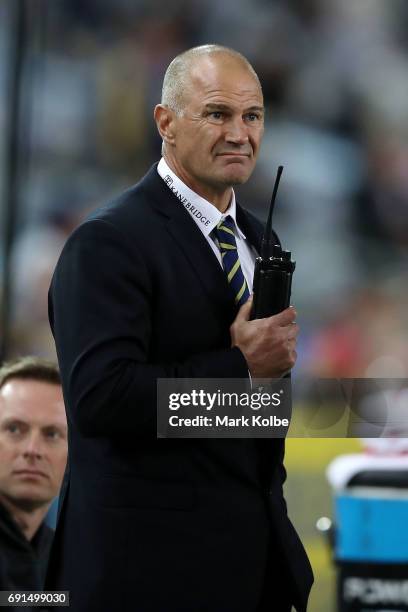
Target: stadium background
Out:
[335,78]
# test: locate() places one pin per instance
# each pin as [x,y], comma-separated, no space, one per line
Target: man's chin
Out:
[235,173]
[30,499]
[232,177]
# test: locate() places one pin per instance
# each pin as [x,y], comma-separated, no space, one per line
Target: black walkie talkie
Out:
[273,271]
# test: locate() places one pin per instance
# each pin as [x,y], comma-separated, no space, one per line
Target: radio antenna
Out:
[267,246]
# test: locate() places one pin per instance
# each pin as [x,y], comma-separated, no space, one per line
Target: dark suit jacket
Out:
[147,524]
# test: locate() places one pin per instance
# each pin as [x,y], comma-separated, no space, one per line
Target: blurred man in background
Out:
[33,453]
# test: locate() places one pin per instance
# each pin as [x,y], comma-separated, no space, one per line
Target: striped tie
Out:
[230,260]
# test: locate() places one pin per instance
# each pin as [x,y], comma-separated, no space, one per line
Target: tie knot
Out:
[225,234]
[227,222]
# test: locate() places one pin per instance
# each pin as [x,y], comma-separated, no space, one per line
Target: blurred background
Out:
[78,83]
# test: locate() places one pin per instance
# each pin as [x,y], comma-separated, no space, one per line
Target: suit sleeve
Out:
[100,315]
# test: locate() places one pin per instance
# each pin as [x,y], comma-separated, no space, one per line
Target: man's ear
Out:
[165,120]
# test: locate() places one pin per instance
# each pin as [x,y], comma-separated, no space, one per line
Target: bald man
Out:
[142,292]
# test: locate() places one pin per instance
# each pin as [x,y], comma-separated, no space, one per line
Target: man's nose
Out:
[237,132]
[34,446]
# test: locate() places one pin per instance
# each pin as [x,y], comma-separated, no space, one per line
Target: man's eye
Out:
[13,428]
[253,116]
[216,114]
[52,434]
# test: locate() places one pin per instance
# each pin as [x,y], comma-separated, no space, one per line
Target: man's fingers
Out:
[285,317]
[245,311]
[293,331]
[292,344]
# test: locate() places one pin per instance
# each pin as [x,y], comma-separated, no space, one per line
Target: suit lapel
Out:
[191,241]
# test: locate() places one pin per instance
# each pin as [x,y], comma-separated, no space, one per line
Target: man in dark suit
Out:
[140,293]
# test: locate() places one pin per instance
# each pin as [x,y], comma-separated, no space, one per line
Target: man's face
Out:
[33,441]
[218,136]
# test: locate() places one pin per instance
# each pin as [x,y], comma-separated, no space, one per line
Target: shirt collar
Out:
[205,214]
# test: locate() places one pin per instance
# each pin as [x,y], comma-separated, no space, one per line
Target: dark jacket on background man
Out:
[23,563]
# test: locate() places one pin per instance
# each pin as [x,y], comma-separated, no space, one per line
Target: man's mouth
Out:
[232,154]
[30,473]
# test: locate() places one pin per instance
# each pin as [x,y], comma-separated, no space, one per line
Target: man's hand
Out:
[268,345]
